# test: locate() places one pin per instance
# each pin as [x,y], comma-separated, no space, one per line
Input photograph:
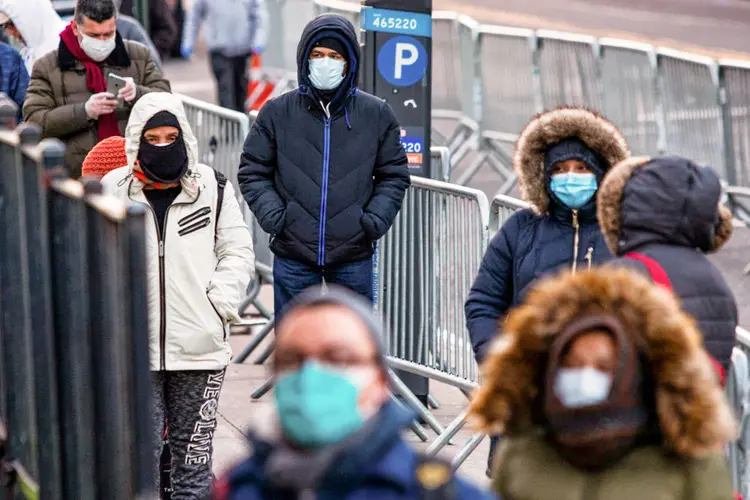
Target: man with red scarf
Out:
[67,95]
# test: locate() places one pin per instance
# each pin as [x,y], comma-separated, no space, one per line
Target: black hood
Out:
[326,26]
[670,200]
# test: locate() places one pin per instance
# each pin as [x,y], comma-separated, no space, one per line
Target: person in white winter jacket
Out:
[200,262]
[34,27]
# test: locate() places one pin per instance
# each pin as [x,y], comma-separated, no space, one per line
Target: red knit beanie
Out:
[106,156]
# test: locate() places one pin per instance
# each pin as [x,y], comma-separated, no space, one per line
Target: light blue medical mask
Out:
[326,73]
[574,190]
[317,404]
[581,387]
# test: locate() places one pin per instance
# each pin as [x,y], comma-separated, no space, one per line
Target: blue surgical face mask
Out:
[317,404]
[574,190]
[326,73]
[581,387]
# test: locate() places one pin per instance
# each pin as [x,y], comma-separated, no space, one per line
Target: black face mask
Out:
[165,164]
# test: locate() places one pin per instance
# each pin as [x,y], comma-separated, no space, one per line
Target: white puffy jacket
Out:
[195,283]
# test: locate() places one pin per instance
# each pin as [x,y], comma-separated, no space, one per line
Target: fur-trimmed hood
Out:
[662,200]
[694,417]
[551,127]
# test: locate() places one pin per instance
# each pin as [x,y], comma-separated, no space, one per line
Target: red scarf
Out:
[107,124]
[156,185]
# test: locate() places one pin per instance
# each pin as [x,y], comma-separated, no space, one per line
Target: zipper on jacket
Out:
[162,279]
[589,256]
[221,318]
[575,241]
[195,215]
[324,186]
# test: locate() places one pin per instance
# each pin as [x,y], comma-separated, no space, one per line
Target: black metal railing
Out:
[75,416]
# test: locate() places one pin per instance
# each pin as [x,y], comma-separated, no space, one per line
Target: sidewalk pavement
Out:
[237,411]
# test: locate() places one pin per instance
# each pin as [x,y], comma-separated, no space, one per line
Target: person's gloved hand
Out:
[100,104]
[128,92]
[186,51]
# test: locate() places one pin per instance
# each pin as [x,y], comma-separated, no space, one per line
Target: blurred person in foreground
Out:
[603,390]
[33,26]
[334,432]
[561,157]
[200,261]
[67,95]
[235,30]
[661,216]
[323,168]
[13,76]
[106,156]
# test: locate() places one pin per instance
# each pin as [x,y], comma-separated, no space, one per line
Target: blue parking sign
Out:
[402,61]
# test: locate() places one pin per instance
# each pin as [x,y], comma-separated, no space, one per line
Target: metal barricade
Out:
[502,208]
[450,224]
[690,91]
[75,392]
[629,97]
[735,76]
[568,69]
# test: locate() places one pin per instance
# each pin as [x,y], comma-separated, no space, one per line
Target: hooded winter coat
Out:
[548,236]
[199,268]
[57,95]
[693,418]
[13,76]
[39,24]
[669,209]
[381,468]
[325,181]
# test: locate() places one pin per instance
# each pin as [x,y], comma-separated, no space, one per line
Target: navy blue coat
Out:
[325,188]
[381,468]
[14,79]
[668,209]
[527,247]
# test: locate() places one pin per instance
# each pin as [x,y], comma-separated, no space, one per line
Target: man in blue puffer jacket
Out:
[561,158]
[323,169]
[14,79]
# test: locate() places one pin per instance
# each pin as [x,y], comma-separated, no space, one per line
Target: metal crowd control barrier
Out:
[503,206]
[75,388]
[450,221]
[738,393]
[665,101]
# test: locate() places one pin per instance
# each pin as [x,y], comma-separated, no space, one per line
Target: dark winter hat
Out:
[162,119]
[573,149]
[336,295]
[333,43]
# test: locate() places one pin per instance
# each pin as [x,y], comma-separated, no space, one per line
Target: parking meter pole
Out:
[397,68]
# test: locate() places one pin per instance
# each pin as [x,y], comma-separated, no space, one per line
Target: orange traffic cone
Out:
[259,88]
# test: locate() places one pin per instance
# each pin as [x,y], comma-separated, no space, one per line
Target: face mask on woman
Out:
[96,49]
[318,404]
[581,387]
[574,190]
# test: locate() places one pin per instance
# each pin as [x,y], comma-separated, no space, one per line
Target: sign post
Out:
[397,68]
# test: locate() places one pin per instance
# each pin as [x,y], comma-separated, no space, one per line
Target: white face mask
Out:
[580,387]
[96,49]
[326,73]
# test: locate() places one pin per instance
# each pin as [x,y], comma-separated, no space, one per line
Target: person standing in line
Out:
[604,391]
[67,95]
[323,168]
[200,261]
[14,79]
[334,432]
[235,30]
[664,215]
[561,157]
[33,26]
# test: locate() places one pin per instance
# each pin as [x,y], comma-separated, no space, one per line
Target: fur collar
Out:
[609,201]
[551,127]
[693,414]
[118,58]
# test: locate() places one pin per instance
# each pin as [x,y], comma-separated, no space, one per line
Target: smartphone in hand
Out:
[114,84]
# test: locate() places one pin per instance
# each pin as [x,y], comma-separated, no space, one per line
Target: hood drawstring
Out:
[346,115]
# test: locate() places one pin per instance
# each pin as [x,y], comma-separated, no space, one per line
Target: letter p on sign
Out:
[406,55]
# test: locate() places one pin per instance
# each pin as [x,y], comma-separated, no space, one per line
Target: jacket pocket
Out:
[195,227]
[218,315]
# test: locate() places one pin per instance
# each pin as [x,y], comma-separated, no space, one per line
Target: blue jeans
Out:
[291,277]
